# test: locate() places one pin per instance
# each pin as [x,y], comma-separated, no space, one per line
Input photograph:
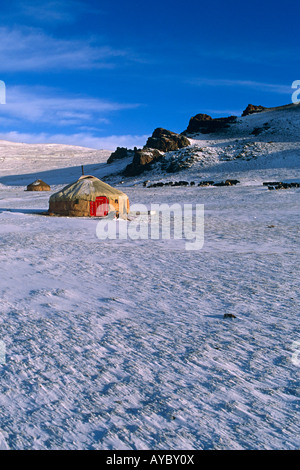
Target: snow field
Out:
[122,344]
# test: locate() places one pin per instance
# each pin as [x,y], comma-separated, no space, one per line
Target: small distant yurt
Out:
[38,185]
[89,197]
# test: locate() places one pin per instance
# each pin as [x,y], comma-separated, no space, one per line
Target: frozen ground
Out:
[23,163]
[122,344]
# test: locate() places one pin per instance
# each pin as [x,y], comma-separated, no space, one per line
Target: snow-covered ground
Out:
[22,164]
[122,344]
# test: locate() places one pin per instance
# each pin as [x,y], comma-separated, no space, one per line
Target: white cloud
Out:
[261,86]
[52,10]
[30,49]
[49,10]
[46,105]
[81,139]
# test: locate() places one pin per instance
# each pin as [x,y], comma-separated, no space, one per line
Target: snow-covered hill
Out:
[258,142]
[22,163]
[122,343]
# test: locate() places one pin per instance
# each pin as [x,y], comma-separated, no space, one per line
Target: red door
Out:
[99,207]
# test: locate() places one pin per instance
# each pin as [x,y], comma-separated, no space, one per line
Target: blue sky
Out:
[103,74]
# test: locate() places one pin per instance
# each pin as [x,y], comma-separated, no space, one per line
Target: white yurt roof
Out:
[86,188]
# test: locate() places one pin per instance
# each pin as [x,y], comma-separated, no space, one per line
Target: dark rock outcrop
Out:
[166,141]
[283,185]
[170,183]
[206,124]
[228,182]
[119,153]
[160,142]
[206,183]
[251,109]
[142,161]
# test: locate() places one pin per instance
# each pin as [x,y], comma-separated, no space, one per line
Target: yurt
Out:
[89,197]
[38,185]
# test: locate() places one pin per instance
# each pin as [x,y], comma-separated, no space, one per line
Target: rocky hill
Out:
[260,138]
